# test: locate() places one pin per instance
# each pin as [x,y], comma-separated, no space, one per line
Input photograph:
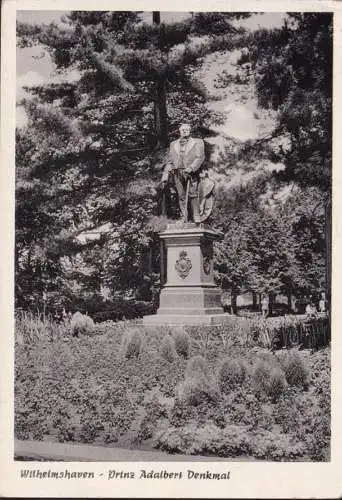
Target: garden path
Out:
[42,450]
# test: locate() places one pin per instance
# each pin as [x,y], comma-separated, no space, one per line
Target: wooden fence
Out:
[311,334]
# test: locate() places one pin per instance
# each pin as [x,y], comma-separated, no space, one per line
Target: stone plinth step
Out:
[186,319]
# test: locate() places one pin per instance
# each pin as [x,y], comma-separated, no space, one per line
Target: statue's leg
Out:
[180,188]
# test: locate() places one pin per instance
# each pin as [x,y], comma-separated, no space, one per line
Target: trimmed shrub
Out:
[182,343]
[81,323]
[231,373]
[196,390]
[269,358]
[296,371]
[261,376]
[277,384]
[132,344]
[196,365]
[269,379]
[168,349]
[233,440]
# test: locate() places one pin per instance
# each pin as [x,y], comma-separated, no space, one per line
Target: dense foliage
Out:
[276,223]
[273,406]
[90,157]
[91,153]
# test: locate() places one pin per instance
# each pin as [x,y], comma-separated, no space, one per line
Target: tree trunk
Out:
[162,263]
[270,303]
[289,300]
[233,303]
[150,261]
[160,114]
[160,107]
[156,17]
[255,300]
[328,248]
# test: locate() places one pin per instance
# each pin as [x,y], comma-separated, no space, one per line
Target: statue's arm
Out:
[199,156]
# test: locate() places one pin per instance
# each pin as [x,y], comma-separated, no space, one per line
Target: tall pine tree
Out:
[93,149]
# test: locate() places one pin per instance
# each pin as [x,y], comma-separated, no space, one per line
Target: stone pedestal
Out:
[189,295]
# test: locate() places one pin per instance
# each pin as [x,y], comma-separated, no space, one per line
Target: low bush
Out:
[319,444]
[270,358]
[233,440]
[132,344]
[261,376]
[89,391]
[269,378]
[182,343]
[114,309]
[196,390]
[296,371]
[81,324]
[277,384]
[168,349]
[196,365]
[231,373]
[155,410]
[118,309]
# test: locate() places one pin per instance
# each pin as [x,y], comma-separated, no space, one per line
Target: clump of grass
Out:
[81,324]
[182,343]
[269,379]
[131,345]
[296,371]
[33,327]
[270,358]
[196,365]
[277,384]
[197,386]
[261,376]
[168,349]
[231,373]
[196,390]
[29,328]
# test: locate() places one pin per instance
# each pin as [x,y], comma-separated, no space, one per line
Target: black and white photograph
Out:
[173,239]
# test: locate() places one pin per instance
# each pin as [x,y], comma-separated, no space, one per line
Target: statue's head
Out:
[185,129]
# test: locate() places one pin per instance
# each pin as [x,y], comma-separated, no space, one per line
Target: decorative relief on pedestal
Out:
[207,253]
[183,264]
[206,265]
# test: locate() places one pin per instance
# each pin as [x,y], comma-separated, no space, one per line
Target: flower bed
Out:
[240,400]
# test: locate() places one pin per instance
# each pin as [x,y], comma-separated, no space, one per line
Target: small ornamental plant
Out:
[296,371]
[197,387]
[277,384]
[196,390]
[261,376]
[132,344]
[182,343]
[196,365]
[269,379]
[231,373]
[81,324]
[167,349]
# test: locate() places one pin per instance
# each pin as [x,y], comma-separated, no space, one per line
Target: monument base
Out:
[186,319]
[194,300]
[190,295]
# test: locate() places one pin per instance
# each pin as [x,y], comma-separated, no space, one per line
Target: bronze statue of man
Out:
[184,164]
